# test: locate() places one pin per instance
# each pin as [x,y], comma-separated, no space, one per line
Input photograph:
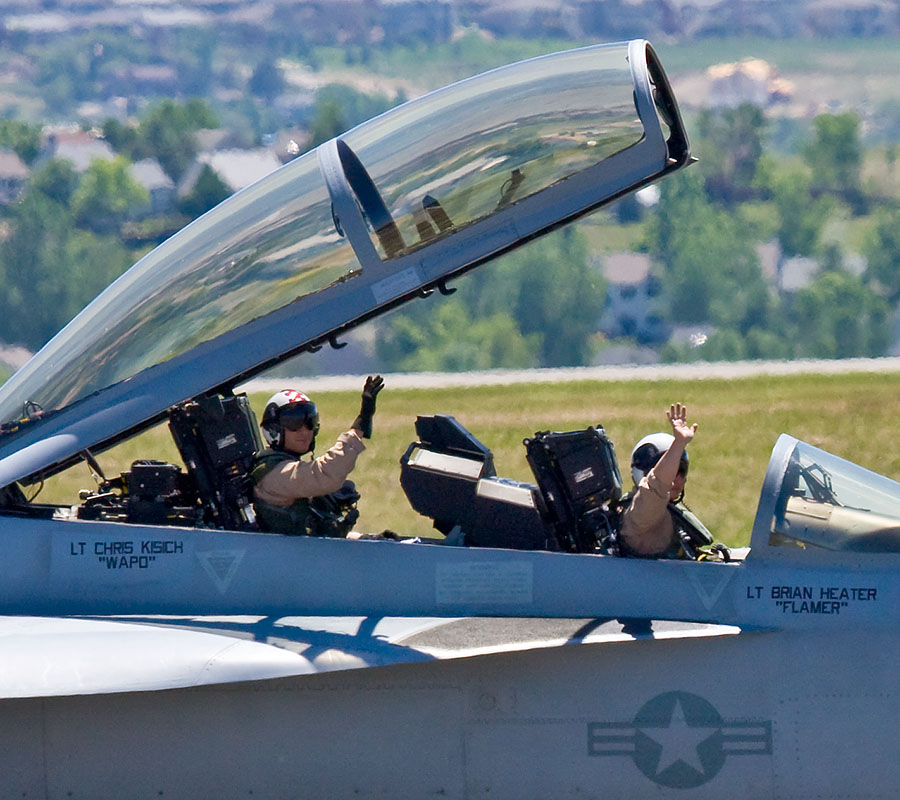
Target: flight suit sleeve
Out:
[647,526]
[294,478]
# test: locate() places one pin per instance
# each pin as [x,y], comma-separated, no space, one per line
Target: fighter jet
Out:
[156,644]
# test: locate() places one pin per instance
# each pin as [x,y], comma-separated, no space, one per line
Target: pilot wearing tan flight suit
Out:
[284,483]
[655,518]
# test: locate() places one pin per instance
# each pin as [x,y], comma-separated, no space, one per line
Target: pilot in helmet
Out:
[655,521]
[308,496]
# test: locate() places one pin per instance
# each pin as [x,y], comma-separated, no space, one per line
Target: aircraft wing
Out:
[63,656]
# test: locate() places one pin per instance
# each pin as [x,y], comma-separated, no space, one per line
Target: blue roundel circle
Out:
[678,740]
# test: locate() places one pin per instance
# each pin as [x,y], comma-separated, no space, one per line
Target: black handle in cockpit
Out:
[370,199]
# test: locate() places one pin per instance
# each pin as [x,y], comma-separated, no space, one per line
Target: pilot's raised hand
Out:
[677,416]
[363,423]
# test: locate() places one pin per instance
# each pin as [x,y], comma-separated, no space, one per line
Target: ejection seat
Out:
[218,439]
[449,476]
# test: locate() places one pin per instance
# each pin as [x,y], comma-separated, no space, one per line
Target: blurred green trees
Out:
[106,195]
[535,307]
[50,265]
[21,138]
[882,252]
[166,132]
[706,251]
[540,305]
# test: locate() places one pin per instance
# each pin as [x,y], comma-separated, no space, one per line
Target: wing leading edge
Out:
[62,656]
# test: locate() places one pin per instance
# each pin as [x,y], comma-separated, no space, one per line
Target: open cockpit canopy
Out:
[812,499]
[383,214]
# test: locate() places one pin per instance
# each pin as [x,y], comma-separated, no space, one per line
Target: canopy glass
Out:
[439,163]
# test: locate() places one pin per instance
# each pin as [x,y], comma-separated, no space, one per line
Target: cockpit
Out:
[812,502]
[380,216]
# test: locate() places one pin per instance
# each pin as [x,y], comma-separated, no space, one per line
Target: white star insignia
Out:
[679,741]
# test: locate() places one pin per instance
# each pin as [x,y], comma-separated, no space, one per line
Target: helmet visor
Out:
[299,415]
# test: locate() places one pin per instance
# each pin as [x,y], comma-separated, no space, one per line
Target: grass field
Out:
[853,416]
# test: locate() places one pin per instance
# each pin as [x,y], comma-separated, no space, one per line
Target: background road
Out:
[697,371]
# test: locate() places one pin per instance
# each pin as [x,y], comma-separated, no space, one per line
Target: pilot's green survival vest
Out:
[328,515]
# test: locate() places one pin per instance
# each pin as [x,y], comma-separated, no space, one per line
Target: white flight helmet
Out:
[649,450]
[288,409]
